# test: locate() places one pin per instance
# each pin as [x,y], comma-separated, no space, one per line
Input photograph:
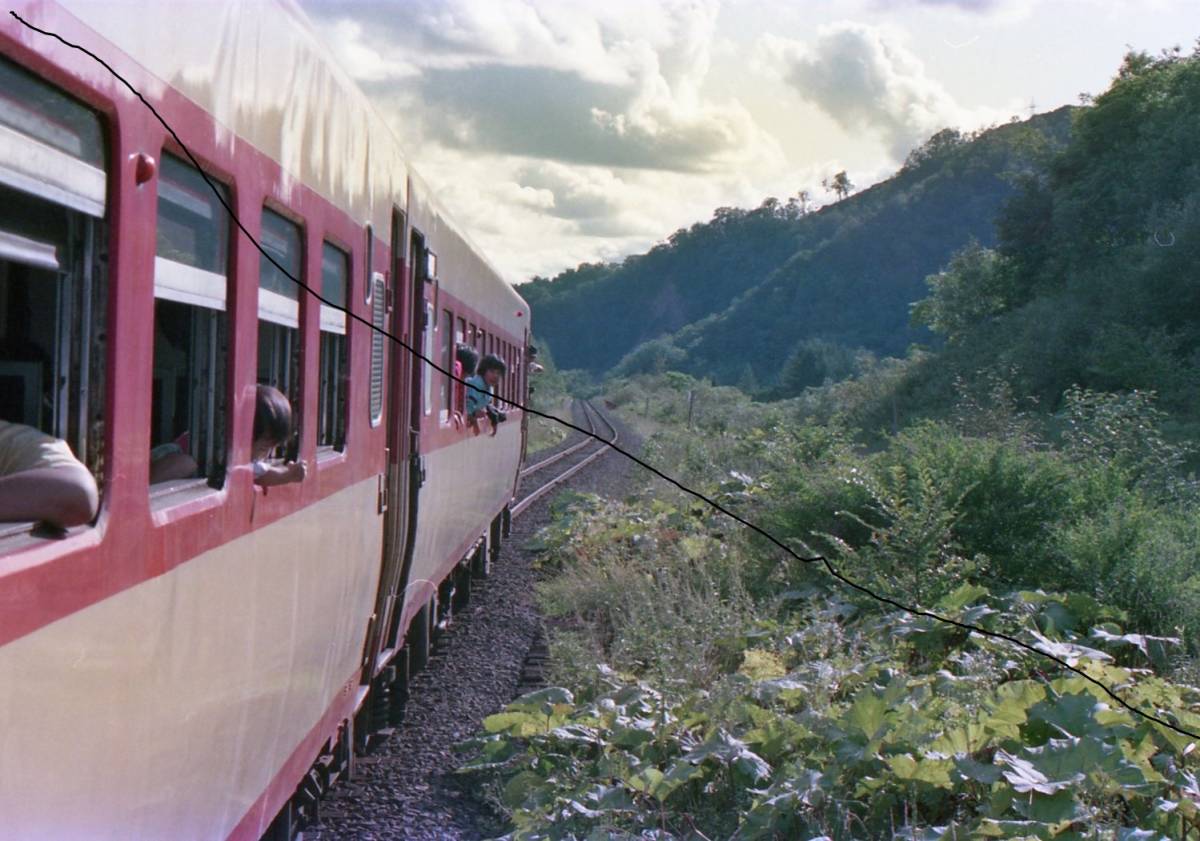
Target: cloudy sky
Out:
[563,131]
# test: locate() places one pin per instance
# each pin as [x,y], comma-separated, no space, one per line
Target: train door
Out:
[409,470]
[418,322]
[399,516]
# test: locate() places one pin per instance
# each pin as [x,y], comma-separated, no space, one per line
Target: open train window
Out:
[428,352]
[334,361]
[446,360]
[53,279]
[520,371]
[508,360]
[500,392]
[188,418]
[279,316]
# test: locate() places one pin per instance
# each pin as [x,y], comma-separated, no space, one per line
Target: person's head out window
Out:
[491,369]
[468,357]
[272,426]
[481,388]
[272,421]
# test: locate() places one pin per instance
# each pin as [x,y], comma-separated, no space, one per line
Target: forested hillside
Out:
[753,284]
[1095,279]
[594,314]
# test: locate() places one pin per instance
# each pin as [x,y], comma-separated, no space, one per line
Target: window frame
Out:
[79,186]
[335,331]
[446,352]
[206,294]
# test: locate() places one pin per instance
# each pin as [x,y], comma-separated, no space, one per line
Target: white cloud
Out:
[619,85]
[864,78]
[557,132]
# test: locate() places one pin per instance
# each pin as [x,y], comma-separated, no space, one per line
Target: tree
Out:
[972,287]
[935,147]
[813,362]
[798,205]
[839,184]
[770,206]
[747,383]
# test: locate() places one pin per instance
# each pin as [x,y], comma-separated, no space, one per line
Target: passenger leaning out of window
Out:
[41,480]
[272,426]
[466,358]
[480,389]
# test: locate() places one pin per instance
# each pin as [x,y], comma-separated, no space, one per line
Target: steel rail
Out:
[521,506]
[574,448]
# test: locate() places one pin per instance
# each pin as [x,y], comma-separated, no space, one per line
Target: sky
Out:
[558,132]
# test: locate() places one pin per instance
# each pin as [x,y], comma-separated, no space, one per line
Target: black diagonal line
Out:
[697,494]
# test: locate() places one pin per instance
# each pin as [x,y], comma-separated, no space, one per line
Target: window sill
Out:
[178,498]
[327,456]
[29,534]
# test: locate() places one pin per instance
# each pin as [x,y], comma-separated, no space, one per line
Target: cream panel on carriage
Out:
[469,482]
[164,711]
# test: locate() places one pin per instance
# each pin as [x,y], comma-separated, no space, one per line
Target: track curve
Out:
[591,414]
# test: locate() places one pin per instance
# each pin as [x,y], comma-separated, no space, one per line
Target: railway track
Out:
[591,415]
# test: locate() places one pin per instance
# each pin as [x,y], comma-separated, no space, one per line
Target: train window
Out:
[508,377]
[460,335]
[188,394]
[279,315]
[446,360]
[428,352]
[334,362]
[501,388]
[53,280]
[508,374]
[520,368]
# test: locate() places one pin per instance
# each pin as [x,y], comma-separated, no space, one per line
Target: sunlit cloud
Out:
[866,80]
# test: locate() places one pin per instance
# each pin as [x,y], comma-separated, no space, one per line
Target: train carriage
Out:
[174,669]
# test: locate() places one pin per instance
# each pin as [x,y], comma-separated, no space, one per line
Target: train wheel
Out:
[481,564]
[462,587]
[419,637]
[495,540]
[399,693]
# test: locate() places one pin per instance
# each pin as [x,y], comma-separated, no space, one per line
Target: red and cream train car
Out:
[174,669]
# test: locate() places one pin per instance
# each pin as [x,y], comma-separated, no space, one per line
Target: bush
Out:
[659,595]
[1143,558]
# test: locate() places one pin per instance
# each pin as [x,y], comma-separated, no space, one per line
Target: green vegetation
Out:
[1032,475]
[712,686]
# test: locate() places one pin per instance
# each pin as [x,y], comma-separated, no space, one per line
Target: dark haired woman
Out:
[272,426]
